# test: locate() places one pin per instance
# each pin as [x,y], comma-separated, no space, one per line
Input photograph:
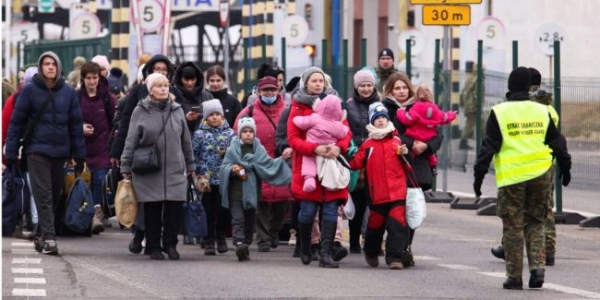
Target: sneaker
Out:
[210,250]
[50,247]
[172,253]
[97,225]
[396,265]
[242,252]
[157,255]
[38,244]
[222,246]
[373,262]
[292,241]
[264,248]
[188,240]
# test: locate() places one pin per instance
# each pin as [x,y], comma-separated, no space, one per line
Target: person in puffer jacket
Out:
[210,144]
[423,120]
[386,182]
[323,127]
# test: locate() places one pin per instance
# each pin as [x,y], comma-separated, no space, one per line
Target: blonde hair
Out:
[157,81]
[423,93]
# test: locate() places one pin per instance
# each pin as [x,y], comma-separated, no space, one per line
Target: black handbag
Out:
[146,159]
[194,216]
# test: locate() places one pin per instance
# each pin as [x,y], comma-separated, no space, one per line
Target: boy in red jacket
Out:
[387,185]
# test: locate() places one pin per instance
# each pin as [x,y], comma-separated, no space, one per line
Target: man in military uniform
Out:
[541,96]
[385,67]
[468,101]
[522,139]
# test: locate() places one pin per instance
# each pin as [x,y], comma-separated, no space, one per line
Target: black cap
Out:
[519,80]
[386,52]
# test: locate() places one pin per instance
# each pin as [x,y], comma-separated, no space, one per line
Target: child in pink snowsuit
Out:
[323,127]
[423,119]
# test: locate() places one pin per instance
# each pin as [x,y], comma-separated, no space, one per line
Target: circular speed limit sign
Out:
[85,26]
[491,31]
[295,30]
[417,41]
[152,15]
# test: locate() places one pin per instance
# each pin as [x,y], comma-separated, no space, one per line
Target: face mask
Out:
[268,100]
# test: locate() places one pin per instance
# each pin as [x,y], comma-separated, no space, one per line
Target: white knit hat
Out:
[152,78]
[246,122]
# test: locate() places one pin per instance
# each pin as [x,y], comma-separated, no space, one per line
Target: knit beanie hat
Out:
[363,76]
[519,80]
[536,77]
[102,61]
[29,74]
[386,52]
[209,107]
[309,71]
[246,122]
[377,109]
[151,79]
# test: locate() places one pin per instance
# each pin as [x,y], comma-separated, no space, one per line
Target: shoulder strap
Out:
[251,109]
[31,124]
[164,124]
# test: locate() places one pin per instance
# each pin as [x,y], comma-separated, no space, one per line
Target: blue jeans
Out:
[97,187]
[308,210]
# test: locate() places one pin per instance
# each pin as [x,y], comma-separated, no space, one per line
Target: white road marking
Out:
[573,291]
[475,240]
[494,274]
[458,267]
[26,260]
[417,257]
[30,280]
[21,244]
[22,251]
[29,292]
[28,270]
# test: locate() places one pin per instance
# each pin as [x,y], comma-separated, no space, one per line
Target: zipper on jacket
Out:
[165,159]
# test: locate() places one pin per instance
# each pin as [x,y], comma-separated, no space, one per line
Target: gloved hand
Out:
[477,186]
[79,163]
[565,177]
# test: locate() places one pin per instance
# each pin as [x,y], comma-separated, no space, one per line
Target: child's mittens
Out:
[240,172]
[451,116]
[202,183]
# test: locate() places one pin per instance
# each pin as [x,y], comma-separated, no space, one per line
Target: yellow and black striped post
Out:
[257,30]
[455,76]
[119,41]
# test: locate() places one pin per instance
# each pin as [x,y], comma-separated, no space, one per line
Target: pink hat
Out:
[267,82]
[101,60]
[363,76]
[152,78]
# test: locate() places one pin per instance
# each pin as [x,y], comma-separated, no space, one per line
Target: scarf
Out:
[301,96]
[258,165]
[379,133]
[407,103]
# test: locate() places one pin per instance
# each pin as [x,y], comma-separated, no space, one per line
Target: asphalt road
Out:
[453,261]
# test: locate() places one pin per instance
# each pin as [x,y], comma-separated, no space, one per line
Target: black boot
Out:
[305,253]
[36,232]
[135,246]
[338,252]
[513,284]
[549,259]
[327,236]
[537,279]
[498,252]
[314,251]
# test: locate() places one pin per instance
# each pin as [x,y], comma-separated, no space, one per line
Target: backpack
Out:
[15,198]
[79,210]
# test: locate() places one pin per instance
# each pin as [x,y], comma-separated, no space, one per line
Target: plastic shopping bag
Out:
[416,210]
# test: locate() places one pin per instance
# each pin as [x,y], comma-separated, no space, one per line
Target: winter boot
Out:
[338,252]
[314,251]
[97,226]
[135,246]
[221,243]
[498,252]
[327,237]
[209,247]
[305,252]
[536,280]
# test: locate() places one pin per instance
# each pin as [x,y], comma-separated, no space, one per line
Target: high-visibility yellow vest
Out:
[553,115]
[523,154]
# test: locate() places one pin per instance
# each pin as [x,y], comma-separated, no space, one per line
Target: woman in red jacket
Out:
[312,86]
[386,183]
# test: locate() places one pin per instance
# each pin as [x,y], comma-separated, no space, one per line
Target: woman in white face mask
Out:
[275,200]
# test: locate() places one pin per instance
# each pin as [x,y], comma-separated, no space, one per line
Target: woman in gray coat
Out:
[167,188]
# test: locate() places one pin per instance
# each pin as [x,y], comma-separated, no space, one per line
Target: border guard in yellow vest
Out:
[522,139]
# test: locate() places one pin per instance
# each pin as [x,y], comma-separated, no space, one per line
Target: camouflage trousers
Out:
[549,224]
[523,208]
[469,129]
